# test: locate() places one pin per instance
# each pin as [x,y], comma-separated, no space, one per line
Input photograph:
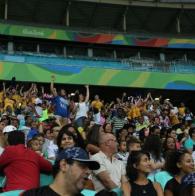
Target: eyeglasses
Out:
[112,140]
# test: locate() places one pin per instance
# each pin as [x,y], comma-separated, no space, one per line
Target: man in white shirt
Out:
[111,175]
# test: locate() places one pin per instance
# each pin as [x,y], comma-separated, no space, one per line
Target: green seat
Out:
[87,192]
[2,181]
[45,179]
[12,193]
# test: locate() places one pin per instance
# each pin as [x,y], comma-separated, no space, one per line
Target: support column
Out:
[38,48]
[115,54]
[6,10]
[65,51]
[178,25]
[124,23]
[125,19]
[10,48]
[68,14]
[90,52]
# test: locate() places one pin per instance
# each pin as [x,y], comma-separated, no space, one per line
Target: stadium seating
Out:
[78,62]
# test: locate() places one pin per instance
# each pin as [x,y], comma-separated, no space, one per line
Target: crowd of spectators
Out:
[132,145]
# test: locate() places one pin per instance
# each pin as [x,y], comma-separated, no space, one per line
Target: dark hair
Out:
[172,159]
[64,130]
[165,143]
[169,130]
[55,168]
[133,140]
[16,137]
[186,190]
[153,146]
[105,192]
[118,134]
[142,136]
[191,131]
[105,124]
[29,143]
[152,129]
[39,135]
[94,135]
[134,159]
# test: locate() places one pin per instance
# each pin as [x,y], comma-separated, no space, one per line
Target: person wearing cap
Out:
[71,171]
[7,129]
[112,174]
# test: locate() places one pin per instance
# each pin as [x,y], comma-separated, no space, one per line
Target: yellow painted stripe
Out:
[1,68]
[141,80]
[107,76]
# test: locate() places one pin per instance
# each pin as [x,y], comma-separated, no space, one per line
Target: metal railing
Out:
[133,63]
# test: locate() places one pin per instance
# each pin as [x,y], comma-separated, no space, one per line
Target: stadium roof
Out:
[135,16]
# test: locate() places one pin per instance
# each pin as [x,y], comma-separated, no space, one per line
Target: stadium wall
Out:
[96,76]
[98,38]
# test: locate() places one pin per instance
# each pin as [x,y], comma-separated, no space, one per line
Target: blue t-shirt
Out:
[61,106]
[33,132]
[189,143]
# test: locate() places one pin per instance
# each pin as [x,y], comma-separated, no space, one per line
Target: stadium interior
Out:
[142,19]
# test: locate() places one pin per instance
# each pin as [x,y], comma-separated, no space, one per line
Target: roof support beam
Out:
[145,3]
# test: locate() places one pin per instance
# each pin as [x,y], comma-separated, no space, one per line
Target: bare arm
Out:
[147,98]
[21,91]
[42,90]
[151,98]
[5,90]
[92,148]
[158,189]
[52,89]
[168,193]
[123,96]
[87,93]
[106,180]
[125,186]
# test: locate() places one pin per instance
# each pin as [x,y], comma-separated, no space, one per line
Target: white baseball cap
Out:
[38,101]
[9,128]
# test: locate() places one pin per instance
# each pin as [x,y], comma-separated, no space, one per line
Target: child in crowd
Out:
[133,144]
[34,145]
[122,152]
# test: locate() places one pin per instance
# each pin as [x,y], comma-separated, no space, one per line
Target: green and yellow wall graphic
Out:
[96,76]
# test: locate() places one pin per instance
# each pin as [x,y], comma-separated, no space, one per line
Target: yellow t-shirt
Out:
[174,120]
[134,112]
[97,104]
[17,98]
[1,96]
[8,102]
[181,110]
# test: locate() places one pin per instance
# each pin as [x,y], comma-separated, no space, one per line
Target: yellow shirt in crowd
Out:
[97,104]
